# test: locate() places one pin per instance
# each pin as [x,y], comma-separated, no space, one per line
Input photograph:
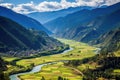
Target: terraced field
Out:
[80,51]
[53,72]
[58,70]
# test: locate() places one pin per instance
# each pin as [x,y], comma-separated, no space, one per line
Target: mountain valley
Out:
[75,43]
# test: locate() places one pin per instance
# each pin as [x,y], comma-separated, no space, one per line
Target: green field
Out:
[80,51]
[10,59]
[117,53]
[51,72]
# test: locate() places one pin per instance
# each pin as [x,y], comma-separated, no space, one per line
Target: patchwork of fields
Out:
[54,71]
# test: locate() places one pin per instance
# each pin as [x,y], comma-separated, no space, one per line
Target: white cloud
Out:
[8,5]
[25,8]
[48,6]
[109,2]
[54,5]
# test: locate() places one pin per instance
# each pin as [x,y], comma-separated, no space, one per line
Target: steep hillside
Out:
[110,41]
[16,40]
[25,21]
[104,65]
[101,25]
[108,58]
[87,19]
[93,29]
[44,17]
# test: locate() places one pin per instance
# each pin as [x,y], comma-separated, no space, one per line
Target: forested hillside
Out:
[16,40]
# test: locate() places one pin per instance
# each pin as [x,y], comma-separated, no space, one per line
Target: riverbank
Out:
[81,51]
[14,68]
[35,68]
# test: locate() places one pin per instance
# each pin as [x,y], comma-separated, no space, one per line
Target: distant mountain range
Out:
[19,41]
[44,17]
[23,20]
[86,25]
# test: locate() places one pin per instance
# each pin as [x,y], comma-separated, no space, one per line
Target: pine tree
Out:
[43,78]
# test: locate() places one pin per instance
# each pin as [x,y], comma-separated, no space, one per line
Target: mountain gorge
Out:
[78,43]
[18,41]
[86,25]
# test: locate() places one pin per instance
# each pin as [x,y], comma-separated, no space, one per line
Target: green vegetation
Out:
[117,53]
[100,66]
[18,41]
[10,59]
[52,72]
[80,63]
[79,52]
[3,67]
[17,68]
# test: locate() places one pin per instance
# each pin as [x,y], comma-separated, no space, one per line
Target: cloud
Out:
[8,5]
[54,5]
[48,6]
[109,2]
[25,8]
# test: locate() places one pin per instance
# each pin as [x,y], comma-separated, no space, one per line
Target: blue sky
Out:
[29,6]
[27,1]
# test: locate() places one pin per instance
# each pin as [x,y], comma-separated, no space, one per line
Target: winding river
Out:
[35,69]
[38,68]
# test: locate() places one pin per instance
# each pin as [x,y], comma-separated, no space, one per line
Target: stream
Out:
[35,69]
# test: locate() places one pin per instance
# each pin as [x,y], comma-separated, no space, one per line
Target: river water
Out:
[35,69]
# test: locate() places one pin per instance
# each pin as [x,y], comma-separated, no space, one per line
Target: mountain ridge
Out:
[16,40]
[44,17]
[23,20]
[83,19]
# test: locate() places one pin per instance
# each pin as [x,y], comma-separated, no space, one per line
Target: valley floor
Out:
[58,70]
